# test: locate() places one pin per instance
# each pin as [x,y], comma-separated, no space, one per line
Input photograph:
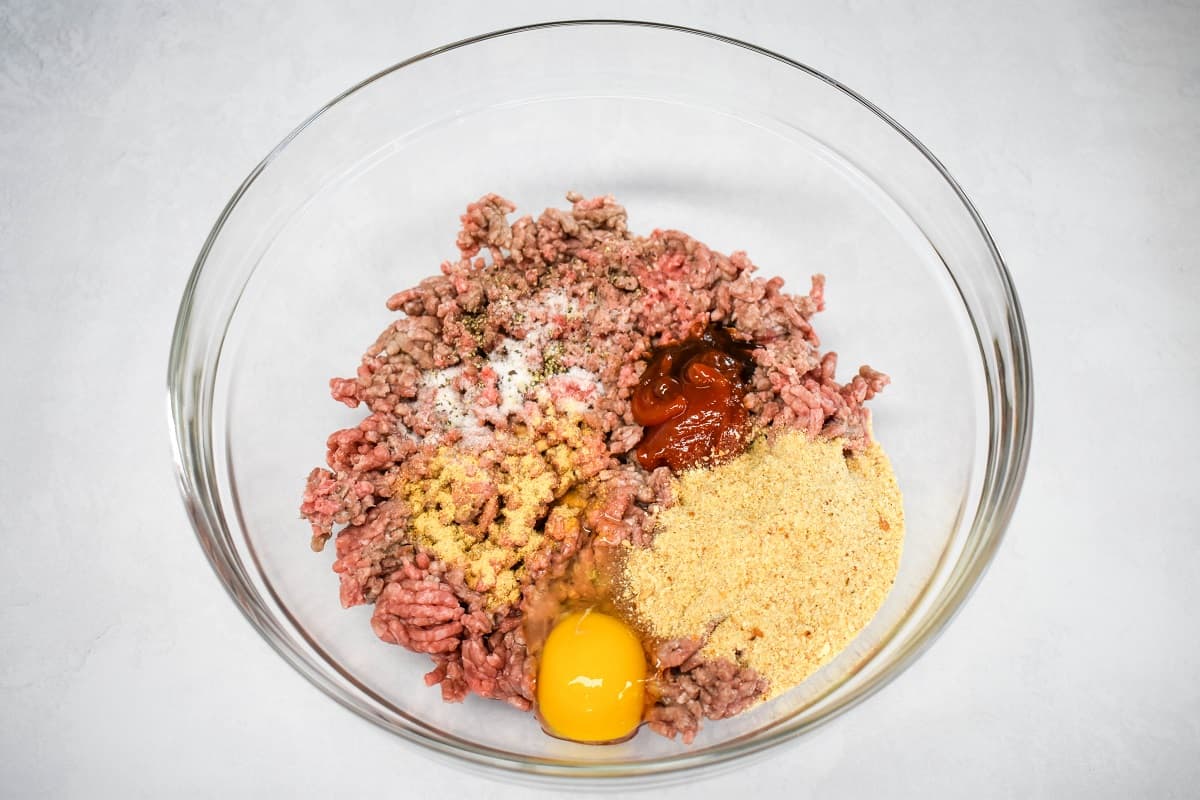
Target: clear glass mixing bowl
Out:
[740,147]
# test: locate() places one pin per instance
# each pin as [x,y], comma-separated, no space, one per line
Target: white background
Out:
[1075,128]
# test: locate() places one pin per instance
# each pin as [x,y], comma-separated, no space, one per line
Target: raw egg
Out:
[589,683]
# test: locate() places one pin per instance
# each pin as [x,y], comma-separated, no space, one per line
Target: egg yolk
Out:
[589,683]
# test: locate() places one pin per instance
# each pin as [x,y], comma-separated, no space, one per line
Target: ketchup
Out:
[689,400]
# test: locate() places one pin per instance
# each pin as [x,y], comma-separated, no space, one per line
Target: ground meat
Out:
[621,511]
[688,688]
[426,607]
[537,322]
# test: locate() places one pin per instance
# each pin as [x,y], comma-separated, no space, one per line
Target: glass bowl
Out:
[738,146]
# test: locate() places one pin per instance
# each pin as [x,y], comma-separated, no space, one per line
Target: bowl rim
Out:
[1006,481]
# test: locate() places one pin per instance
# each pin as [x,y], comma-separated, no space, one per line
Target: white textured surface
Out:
[1075,128]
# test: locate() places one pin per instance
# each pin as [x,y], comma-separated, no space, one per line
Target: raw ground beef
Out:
[688,688]
[428,608]
[490,358]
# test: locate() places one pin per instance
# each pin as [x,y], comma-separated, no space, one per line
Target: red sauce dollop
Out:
[689,400]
